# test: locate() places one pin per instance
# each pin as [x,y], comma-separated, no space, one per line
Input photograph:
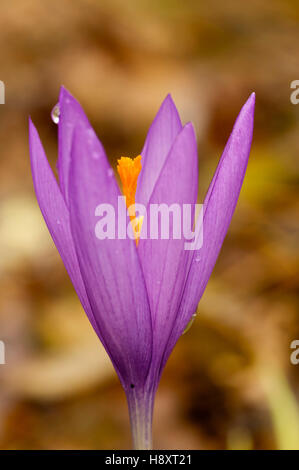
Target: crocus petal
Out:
[164,261]
[161,135]
[110,267]
[71,113]
[56,215]
[219,206]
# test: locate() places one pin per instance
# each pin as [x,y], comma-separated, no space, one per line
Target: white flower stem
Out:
[141,415]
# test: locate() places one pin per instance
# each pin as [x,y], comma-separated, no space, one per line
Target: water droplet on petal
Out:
[190,323]
[110,172]
[197,259]
[58,222]
[95,155]
[55,113]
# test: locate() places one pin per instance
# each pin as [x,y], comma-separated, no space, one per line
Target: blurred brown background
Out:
[229,383]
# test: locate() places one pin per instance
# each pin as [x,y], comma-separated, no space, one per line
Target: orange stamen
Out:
[128,170]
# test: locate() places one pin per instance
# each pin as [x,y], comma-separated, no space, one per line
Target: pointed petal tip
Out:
[247,112]
[188,132]
[32,129]
[189,127]
[250,103]
[65,94]
[63,90]
[169,101]
[67,100]
[169,108]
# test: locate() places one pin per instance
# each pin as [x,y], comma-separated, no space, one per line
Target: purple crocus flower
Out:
[139,297]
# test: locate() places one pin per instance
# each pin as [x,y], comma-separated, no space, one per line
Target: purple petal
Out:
[164,261]
[71,113]
[161,135]
[56,215]
[110,267]
[219,206]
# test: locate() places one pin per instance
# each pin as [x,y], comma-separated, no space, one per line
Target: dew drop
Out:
[190,323]
[58,222]
[110,172]
[55,113]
